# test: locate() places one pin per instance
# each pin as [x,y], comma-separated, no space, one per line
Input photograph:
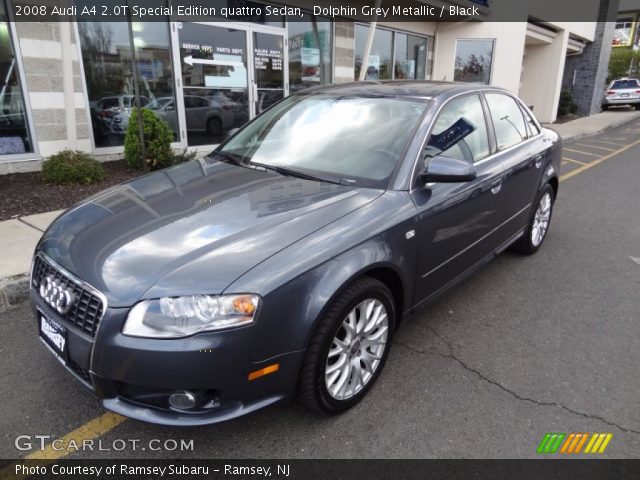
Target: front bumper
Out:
[135,376]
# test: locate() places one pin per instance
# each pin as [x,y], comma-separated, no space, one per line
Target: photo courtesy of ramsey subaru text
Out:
[280,265]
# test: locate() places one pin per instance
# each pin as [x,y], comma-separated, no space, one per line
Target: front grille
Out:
[87,309]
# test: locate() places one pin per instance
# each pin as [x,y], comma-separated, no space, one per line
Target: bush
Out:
[566,105]
[157,142]
[72,166]
[621,61]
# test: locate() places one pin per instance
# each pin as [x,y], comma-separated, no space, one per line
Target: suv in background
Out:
[624,91]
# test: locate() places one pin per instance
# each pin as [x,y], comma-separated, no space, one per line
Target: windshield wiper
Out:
[294,172]
[228,157]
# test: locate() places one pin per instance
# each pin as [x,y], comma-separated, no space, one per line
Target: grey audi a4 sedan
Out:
[280,265]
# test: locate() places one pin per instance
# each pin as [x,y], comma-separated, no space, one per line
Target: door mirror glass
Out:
[448,170]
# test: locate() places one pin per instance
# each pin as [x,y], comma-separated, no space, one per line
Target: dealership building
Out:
[71,84]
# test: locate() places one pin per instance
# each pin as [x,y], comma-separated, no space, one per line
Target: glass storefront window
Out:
[410,57]
[309,52]
[109,73]
[379,64]
[622,34]
[14,129]
[407,53]
[473,61]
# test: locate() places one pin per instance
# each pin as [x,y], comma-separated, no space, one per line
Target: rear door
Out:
[457,221]
[522,151]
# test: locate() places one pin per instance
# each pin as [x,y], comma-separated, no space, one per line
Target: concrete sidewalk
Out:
[597,123]
[19,236]
[18,239]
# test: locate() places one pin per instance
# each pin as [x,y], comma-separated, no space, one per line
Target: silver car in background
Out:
[624,91]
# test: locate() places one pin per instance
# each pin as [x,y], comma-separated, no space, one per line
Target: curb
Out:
[13,291]
[617,123]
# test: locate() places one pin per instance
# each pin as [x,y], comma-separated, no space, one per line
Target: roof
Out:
[395,88]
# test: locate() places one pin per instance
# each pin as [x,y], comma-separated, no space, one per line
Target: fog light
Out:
[182,400]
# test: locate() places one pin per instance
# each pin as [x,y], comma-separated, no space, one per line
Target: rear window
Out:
[622,84]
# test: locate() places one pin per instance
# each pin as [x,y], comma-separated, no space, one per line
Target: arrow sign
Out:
[189,60]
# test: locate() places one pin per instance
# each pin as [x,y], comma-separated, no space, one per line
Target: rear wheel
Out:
[637,106]
[214,127]
[349,348]
[539,222]
[605,107]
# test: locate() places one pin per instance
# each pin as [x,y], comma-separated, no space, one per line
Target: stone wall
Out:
[590,67]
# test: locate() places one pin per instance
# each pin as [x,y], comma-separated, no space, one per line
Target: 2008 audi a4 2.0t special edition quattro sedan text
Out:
[280,265]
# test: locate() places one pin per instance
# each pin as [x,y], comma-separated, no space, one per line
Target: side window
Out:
[507,120]
[460,131]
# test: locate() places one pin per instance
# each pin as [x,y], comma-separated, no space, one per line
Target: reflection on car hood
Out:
[190,229]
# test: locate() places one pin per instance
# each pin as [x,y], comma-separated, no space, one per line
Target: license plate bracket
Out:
[53,335]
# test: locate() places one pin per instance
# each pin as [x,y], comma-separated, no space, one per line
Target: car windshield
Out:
[622,84]
[351,139]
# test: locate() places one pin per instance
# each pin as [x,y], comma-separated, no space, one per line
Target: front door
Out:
[268,70]
[457,222]
[229,73]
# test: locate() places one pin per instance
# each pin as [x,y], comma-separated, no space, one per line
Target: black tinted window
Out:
[460,131]
[622,84]
[507,120]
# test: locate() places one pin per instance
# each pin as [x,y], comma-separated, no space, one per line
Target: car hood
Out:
[190,229]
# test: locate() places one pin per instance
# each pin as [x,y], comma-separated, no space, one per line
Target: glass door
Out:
[269,65]
[228,74]
[215,81]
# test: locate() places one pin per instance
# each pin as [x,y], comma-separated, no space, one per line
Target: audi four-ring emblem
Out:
[60,298]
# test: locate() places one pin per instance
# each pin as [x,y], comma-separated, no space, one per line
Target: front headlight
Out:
[174,317]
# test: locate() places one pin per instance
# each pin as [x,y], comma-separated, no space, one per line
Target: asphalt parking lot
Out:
[529,345]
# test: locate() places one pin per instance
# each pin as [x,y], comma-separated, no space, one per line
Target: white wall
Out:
[543,66]
[507,55]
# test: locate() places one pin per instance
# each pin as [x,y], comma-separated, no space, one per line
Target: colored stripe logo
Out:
[569,443]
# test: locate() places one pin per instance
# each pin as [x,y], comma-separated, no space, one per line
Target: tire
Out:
[637,106]
[214,127]
[533,239]
[605,107]
[317,387]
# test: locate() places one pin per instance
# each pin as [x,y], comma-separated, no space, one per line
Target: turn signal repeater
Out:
[264,371]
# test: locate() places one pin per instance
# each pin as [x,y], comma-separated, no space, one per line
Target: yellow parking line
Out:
[597,162]
[574,161]
[92,429]
[580,151]
[610,143]
[594,146]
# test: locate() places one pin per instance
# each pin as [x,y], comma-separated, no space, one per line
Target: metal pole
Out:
[367,48]
[136,86]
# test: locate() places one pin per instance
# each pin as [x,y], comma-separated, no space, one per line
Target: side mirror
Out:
[231,133]
[449,170]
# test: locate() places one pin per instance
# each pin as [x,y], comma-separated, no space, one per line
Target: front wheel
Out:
[539,222]
[349,348]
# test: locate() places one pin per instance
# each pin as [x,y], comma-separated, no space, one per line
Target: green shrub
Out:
[72,166]
[157,142]
[622,60]
[566,105]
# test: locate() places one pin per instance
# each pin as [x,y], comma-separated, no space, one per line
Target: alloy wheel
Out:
[357,349]
[541,220]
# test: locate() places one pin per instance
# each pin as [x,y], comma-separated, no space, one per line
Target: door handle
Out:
[537,160]
[496,187]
